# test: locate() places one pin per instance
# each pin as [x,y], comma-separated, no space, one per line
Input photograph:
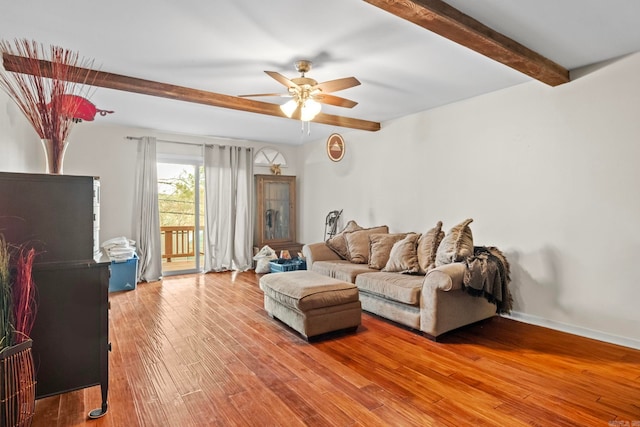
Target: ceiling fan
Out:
[307,94]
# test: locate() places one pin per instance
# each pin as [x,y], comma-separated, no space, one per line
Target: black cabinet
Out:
[52,213]
[71,332]
[55,214]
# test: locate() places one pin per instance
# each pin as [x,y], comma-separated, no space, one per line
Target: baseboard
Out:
[575,330]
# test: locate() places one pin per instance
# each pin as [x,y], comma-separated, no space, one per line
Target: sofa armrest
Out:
[445,306]
[318,252]
[447,277]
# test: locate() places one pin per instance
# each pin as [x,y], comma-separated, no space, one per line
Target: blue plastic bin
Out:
[124,275]
[281,264]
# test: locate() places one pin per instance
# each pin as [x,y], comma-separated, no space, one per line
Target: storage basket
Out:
[282,264]
[17,386]
[124,275]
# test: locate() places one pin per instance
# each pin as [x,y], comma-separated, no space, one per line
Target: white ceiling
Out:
[224,46]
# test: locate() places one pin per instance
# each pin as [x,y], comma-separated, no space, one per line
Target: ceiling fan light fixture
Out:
[309,110]
[307,94]
[289,107]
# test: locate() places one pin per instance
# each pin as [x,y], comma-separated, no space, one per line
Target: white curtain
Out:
[229,203]
[146,212]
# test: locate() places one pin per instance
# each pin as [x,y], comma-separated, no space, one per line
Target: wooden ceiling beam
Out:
[447,21]
[19,64]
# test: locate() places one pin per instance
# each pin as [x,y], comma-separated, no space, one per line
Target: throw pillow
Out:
[456,245]
[428,246]
[338,243]
[358,243]
[403,257]
[379,248]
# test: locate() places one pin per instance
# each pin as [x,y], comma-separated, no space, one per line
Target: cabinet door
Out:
[52,213]
[276,222]
[277,204]
[71,330]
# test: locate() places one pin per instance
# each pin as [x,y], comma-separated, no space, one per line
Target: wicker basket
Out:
[17,386]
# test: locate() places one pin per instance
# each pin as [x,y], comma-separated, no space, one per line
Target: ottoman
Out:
[311,303]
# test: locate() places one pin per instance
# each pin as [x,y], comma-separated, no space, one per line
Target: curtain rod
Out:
[199,144]
[138,138]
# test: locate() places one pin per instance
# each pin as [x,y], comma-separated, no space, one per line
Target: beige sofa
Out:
[434,303]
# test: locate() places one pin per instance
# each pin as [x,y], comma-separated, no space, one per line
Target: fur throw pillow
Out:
[358,243]
[428,247]
[338,243]
[379,248]
[456,245]
[403,257]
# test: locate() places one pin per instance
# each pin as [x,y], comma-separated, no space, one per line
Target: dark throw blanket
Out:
[487,275]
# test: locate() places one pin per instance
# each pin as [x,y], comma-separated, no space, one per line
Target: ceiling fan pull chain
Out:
[302,127]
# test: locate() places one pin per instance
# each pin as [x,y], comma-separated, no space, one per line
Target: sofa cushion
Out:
[341,270]
[428,247]
[306,291]
[380,246]
[397,287]
[338,243]
[403,257]
[456,245]
[358,243]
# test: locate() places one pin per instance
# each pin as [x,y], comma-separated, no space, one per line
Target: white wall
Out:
[20,147]
[550,176]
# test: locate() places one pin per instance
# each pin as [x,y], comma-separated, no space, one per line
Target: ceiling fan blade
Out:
[334,100]
[338,84]
[282,79]
[254,95]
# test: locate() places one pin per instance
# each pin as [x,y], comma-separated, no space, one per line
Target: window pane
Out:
[177,205]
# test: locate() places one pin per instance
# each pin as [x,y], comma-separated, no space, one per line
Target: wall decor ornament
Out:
[335,147]
[42,91]
[275,169]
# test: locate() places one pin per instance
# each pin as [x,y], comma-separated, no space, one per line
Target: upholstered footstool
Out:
[311,303]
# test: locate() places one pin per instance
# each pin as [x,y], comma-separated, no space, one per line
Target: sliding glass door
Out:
[181,204]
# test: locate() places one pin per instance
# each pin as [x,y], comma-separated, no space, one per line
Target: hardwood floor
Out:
[199,350]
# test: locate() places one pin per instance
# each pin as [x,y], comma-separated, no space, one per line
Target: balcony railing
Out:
[178,241]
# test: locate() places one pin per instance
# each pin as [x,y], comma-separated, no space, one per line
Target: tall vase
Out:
[54,156]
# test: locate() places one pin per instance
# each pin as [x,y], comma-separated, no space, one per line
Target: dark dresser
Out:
[56,214]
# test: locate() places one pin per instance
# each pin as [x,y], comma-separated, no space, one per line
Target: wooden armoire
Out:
[276,213]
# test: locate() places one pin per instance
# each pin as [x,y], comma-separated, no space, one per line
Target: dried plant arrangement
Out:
[17,294]
[6,297]
[17,314]
[24,301]
[43,100]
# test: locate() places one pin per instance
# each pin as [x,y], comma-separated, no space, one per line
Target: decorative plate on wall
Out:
[335,147]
